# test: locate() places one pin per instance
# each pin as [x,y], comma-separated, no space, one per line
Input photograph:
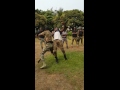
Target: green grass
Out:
[71,69]
[73,66]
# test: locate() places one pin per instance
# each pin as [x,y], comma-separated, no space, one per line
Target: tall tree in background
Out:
[59,17]
[40,20]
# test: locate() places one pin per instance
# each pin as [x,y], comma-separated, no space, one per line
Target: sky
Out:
[56,4]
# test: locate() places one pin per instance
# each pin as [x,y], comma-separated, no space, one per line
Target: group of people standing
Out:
[77,35]
[55,39]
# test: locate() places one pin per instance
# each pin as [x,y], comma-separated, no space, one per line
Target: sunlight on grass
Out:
[74,64]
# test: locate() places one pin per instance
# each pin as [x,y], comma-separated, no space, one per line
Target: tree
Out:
[58,17]
[49,16]
[40,20]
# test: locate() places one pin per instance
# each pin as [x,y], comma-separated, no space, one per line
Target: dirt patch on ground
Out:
[51,82]
[45,81]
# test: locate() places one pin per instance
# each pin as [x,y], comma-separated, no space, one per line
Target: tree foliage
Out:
[57,17]
[40,20]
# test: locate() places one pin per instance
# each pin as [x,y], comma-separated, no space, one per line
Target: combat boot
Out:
[44,65]
[65,57]
[56,59]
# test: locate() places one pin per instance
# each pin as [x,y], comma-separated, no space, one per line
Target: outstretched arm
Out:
[41,34]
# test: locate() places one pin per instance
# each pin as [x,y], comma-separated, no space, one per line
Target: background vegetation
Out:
[54,18]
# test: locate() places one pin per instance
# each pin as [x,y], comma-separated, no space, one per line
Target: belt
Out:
[49,42]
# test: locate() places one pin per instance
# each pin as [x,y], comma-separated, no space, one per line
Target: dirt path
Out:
[44,81]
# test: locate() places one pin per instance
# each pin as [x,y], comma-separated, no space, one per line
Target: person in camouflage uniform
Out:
[64,37]
[80,36]
[57,42]
[49,45]
[53,33]
[41,37]
[74,35]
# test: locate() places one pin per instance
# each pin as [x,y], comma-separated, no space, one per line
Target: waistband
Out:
[49,42]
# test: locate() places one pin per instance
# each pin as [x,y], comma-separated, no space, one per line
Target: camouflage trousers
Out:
[65,40]
[48,47]
[41,42]
[58,43]
[74,38]
[80,39]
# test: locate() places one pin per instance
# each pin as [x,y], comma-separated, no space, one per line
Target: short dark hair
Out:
[47,28]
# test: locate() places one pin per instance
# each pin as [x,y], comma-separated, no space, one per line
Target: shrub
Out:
[70,33]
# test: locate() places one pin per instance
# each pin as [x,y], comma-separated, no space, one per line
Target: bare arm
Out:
[52,32]
[63,28]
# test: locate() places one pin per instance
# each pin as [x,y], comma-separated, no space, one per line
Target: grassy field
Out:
[66,75]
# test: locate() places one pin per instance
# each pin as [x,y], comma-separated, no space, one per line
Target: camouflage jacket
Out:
[47,35]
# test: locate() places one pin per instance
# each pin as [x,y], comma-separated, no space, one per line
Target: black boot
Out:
[65,57]
[56,59]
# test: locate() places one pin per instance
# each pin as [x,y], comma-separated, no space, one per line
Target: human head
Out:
[46,28]
[56,28]
[74,28]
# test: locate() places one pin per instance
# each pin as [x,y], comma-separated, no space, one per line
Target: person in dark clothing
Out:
[80,36]
[74,35]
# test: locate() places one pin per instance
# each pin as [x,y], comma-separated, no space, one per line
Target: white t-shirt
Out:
[57,35]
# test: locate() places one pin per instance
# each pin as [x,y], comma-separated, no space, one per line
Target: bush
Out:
[70,33]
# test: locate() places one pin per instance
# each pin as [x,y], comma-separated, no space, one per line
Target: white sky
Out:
[56,4]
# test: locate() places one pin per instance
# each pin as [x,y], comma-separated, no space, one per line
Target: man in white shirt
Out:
[57,42]
[57,35]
